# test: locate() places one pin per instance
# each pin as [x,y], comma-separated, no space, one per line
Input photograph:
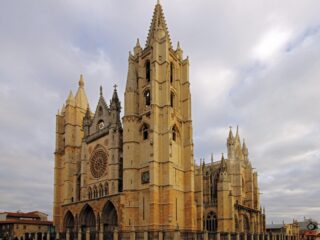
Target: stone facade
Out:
[137,178]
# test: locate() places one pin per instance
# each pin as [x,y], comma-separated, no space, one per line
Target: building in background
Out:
[309,229]
[284,230]
[137,178]
[23,226]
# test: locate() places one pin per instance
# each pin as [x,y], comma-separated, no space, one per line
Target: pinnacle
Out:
[70,97]
[237,135]
[101,92]
[81,81]
[138,43]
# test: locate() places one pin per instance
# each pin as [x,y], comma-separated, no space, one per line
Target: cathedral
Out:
[136,177]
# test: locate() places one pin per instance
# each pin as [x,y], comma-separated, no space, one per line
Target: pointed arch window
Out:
[89,193]
[148,71]
[145,132]
[95,192]
[147,97]
[211,222]
[101,191]
[171,72]
[213,187]
[106,189]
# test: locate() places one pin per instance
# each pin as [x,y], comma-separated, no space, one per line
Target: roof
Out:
[274,226]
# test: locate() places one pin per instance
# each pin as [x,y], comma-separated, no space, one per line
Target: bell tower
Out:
[158,171]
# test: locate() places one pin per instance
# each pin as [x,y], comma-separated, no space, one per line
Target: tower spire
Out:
[238,136]
[158,28]
[81,98]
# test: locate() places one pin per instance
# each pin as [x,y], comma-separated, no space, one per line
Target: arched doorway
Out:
[87,221]
[69,225]
[109,219]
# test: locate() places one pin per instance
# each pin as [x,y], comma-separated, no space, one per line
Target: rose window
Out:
[98,163]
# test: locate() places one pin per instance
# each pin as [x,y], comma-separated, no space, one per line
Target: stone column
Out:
[133,235]
[115,234]
[101,232]
[238,236]
[205,235]
[87,233]
[145,235]
[48,236]
[79,234]
[218,236]
[68,234]
[160,235]
[176,235]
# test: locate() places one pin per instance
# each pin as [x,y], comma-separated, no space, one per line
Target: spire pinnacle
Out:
[138,43]
[244,148]
[230,140]
[70,99]
[81,81]
[223,164]
[137,49]
[115,103]
[158,28]
[101,91]
[237,135]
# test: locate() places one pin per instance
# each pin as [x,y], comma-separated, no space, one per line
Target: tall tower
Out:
[69,134]
[158,171]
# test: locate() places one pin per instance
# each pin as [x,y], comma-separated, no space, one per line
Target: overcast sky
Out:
[254,63]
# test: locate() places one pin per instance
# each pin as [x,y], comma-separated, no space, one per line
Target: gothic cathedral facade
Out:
[136,177]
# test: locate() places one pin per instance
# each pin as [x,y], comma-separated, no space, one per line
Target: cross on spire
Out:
[115,86]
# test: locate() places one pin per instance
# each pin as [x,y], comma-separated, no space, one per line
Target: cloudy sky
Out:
[254,63]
